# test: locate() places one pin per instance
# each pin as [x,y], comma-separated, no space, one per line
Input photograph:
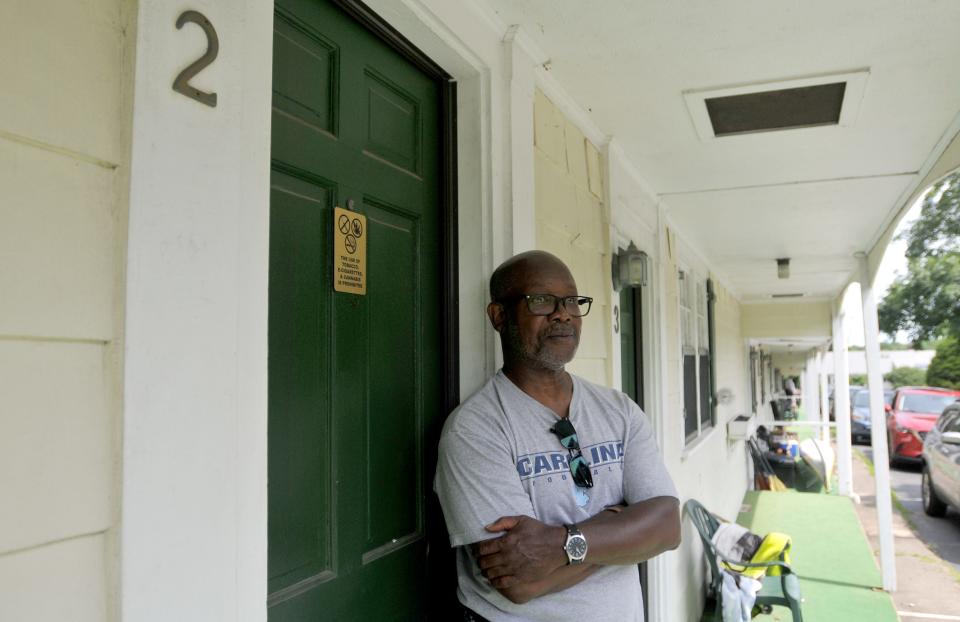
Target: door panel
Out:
[300,214]
[394,130]
[394,418]
[355,381]
[305,73]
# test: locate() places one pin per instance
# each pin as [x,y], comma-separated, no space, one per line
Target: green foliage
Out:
[905,377]
[931,344]
[944,370]
[858,379]
[925,302]
[937,231]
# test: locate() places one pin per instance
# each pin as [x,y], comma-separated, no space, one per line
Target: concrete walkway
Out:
[928,588]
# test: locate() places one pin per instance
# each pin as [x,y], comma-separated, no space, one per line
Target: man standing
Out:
[552,487]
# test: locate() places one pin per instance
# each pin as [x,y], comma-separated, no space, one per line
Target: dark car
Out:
[853,388]
[915,410]
[860,425]
[940,485]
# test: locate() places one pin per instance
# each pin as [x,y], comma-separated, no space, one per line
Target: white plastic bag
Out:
[739,594]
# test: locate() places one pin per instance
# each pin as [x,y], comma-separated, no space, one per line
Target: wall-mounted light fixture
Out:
[783,268]
[629,268]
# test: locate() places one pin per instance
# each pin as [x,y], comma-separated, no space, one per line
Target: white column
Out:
[841,406]
[193,539]
[878,432]
[810,402]
[824,405]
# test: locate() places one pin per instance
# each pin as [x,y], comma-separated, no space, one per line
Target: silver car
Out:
[941,463]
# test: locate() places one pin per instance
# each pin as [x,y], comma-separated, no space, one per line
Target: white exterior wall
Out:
[64,166]
[194,542]
[712,469]
[572,223]
[790,318]
[857,360]
[790,364]
[193,535]
[190,475]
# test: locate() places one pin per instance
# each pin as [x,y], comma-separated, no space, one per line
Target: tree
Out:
[925,302]
[937,230]
[859,380]
[944,370]
[905,377]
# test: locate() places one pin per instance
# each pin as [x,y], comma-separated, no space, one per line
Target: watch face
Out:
[577,547]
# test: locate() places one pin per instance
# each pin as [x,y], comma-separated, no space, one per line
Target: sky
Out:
[894,262]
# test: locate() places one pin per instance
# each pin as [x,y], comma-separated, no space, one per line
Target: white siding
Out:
[64,64]
[58,245]
[65,580]
[55,449]
[64,136]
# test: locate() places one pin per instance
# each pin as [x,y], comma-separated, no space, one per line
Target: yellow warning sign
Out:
[349,252]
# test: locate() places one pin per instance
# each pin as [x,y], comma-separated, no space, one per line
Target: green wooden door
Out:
[355,381]
[631,331]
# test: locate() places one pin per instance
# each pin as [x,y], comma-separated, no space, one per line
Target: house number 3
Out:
[182,83]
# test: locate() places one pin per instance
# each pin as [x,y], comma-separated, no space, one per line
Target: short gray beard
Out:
[541,358]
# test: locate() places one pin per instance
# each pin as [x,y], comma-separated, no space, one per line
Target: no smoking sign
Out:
[349,252]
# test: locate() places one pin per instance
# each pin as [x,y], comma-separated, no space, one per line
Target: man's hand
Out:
[527,552]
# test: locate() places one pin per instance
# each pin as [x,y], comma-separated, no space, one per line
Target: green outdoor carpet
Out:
[838,575]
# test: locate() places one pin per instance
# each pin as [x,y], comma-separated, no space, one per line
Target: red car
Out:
[913,413]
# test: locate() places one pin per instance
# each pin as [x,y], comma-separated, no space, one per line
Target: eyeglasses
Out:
[547,304]
[567,434]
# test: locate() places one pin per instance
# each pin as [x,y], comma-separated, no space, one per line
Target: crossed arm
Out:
[528,560]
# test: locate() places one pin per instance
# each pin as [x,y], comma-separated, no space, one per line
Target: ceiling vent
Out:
[786,295]
[802,103]
[808,106]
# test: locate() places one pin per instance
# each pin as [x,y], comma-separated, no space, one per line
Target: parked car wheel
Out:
[932,504]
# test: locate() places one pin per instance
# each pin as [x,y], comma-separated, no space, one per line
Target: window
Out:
[953,421]
[697,347]
[949,422]
[926,403]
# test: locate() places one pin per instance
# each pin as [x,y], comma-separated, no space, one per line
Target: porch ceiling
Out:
[816,195]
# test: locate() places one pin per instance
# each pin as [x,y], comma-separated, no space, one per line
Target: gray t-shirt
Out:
[499,458]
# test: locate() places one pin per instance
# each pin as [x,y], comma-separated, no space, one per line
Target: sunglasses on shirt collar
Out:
[567,434]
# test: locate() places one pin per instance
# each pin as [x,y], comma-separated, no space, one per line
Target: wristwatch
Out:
[575,546]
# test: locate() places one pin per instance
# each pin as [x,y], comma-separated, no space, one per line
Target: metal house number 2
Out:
[182,82]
